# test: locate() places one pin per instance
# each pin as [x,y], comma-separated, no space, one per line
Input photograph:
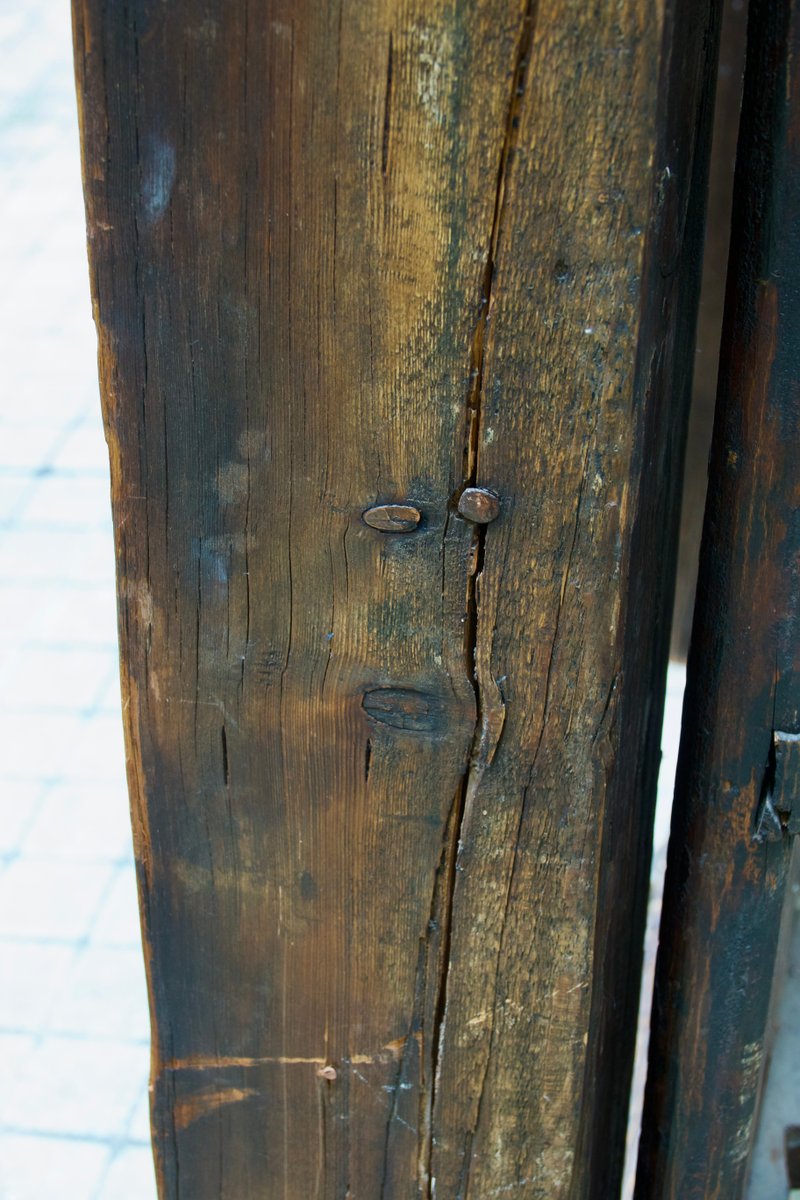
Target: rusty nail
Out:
[479,505]
[393,518]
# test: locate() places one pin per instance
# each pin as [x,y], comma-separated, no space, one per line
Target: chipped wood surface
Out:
[392,775]
[735,798]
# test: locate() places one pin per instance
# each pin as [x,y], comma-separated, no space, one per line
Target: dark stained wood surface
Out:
[392,777]
[727,104]
[736,792]
[582,436]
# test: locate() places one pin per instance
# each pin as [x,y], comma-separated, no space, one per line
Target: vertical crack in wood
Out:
[387,109]
[490,711]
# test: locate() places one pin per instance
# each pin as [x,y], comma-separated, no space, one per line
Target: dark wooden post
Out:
[737,792]
[393,741]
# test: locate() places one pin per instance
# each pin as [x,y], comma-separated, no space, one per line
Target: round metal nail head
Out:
[479,505]
[393,518]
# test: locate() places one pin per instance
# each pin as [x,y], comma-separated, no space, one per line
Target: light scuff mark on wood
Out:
[204,1103]
[392,1051]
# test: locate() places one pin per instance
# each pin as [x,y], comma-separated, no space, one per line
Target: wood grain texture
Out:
[582,434]
[734,803]
[727,105]
[392,789]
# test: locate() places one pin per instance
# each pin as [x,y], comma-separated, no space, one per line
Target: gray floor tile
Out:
[37,745]
[24,610]
[47,1168]
[79,617]
[85,448]
[45,899]
[56,557]
[110,700]
[20,803]
[118,921]
[76,1087]
[15,1049]
[81,823]
[131,1176]
[98,752]
[33,977]
[66,680]
[27,447]
[139,1128]
[14,489]
[103,996]
[68,502]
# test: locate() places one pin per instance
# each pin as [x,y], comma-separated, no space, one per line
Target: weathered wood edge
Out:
[727,866]
[671,293]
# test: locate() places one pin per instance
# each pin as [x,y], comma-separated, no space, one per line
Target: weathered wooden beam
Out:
[395,308]
[587,372]
[736,795]
[727,106]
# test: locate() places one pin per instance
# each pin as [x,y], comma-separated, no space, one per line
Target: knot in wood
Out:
[406,709]
[393,518]
[479,505]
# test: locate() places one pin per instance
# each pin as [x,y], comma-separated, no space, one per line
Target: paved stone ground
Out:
[73,1011]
